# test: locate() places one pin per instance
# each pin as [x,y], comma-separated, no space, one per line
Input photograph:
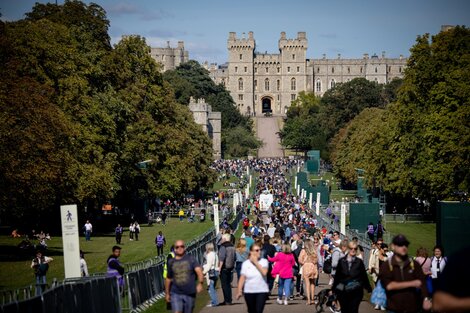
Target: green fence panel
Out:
[453,225]
[361,214]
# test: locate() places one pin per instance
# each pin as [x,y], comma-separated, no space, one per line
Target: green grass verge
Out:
[202,300]
[15,265]
[419,235]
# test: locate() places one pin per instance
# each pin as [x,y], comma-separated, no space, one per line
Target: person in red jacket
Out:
[284,264]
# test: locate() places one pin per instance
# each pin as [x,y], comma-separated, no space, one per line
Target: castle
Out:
[211,123]
[267,83]
[169,57]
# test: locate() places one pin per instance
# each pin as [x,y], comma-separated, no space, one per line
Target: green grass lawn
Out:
[419,235]
[15,268]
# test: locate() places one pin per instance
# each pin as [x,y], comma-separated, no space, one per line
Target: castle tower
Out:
[294,67]
[240,70]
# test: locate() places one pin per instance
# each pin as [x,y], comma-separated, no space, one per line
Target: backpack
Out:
[327,265]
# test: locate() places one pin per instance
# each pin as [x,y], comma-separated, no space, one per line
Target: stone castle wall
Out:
[255,78]
[170,57]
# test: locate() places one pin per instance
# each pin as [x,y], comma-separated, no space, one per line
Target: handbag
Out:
[379,297]
[352,285]
[213,275]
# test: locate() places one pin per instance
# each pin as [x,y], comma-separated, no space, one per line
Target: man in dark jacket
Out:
[115,269]
[403,280]
[226,265]
[268,250]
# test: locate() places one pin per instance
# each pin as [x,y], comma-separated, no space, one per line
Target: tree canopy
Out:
[418,146]
[77,116]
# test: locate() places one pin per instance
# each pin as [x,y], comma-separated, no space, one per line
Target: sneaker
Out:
[279,301]
[211,305]
[331,309]
[382,308]
[285,302]
[376,307]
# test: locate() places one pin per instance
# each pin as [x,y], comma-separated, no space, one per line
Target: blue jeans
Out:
[40,284]
[182,303]
[284,287]
[87,235]
[213,292]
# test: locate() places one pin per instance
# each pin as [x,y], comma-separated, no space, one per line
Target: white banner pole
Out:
[343,218]
[317,205]
[215,207]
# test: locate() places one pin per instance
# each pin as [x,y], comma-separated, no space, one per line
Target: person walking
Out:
[136,231]
[351,280]
[115,269]
[211,272]
[160,242]
[88,230]
[268,250]
[241,255]
[308,259]
[83,265]
[181,214]
[40,265]
[252,283]
[226,265]
[180,284]
[284,264]
[438,263]
[118,233]
[131,231]
[403,280]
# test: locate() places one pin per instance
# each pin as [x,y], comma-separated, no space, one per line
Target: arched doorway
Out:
[266,105]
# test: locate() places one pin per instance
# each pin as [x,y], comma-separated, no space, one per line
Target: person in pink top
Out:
[284,264]
[423,260]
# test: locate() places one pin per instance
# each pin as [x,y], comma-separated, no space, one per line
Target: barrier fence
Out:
[144,284]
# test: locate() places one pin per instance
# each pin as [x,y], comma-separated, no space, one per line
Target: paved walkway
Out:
[267,130]
[295,306]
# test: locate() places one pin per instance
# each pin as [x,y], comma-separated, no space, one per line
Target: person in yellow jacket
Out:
[181,214]
[168,257]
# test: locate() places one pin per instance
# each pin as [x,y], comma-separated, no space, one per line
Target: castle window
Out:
[376,69]
[246,69]
[318,85]
[288,69]
[278,87]
[240,84]
[298,69]
[256,84]
[389,69]
[223,82]
[278,97]
[399,69]
[318,70]
[256,97]
[293,85]
[267,70]
[349,70]
[236,69]
[361,69]
[376,80]
[292,96]
[240,97]
[256,70]
[241,56]
[278,69]
[266,84]
[332,83]
[293,57]
[332,70]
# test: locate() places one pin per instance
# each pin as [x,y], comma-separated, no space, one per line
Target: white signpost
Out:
[343,218]
[240,198]
[317,204]
[235,201]
[295,180]
[298,190]
[71,245]
[215,208]
[310,200]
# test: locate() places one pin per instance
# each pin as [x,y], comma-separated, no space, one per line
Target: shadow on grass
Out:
[9,253]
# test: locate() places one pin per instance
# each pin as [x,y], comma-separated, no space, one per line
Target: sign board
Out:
[265,199]
[215,207]
[71,245]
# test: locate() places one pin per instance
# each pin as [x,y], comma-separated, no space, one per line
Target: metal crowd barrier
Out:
[93,295]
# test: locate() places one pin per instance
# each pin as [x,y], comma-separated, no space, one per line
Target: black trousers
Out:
[351,300]
[159,250]
[226,283]
[255,301]
[118,239]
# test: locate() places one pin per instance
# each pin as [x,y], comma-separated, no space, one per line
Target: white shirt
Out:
[254,281]
[88,227]
[442,264]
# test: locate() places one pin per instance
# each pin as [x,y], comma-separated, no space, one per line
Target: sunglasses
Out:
[353,249]
[177,247]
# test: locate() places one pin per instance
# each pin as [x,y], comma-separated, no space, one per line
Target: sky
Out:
[347,27]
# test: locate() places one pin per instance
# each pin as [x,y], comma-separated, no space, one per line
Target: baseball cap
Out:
[400,240]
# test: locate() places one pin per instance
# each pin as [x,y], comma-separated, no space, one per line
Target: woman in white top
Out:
[83,264]
[438,262]
[252,283]
[211,264]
